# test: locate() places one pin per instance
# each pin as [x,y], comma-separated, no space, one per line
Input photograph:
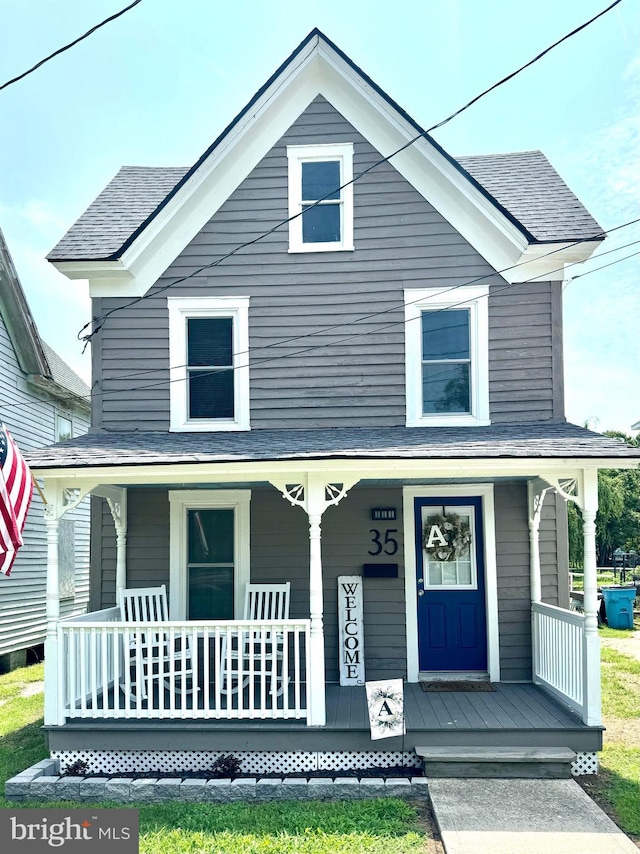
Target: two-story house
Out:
[41,401]
[314,357]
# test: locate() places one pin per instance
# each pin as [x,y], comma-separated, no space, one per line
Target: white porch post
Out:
[536,494]
[116,498]
[58,501]
[591,661]
[314,495]
[53,713]
[315,679]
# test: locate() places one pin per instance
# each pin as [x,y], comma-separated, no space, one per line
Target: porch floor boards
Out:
[513,715]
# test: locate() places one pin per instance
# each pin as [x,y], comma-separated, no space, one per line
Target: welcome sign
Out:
[350,630]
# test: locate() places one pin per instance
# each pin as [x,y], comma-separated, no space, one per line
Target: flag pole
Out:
[40,492]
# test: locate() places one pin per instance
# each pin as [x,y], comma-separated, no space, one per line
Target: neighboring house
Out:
[41,401]
[309,407]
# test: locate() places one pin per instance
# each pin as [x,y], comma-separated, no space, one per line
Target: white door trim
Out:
[471,490]
[182,500]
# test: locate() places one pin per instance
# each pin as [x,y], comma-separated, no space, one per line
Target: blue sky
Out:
[156,86]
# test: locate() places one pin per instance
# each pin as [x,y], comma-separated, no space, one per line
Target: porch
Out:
[511,715]
[105,686]
[149,496]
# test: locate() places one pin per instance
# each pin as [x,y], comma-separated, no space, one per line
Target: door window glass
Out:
[448,542]
[210,564]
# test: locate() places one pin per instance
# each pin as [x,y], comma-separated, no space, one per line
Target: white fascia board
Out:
[334,469]
[545,261]
[217,178]
[480,222]
[318,70]
[106,278]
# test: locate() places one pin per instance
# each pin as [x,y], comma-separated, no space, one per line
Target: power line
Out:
[70,45]
[394,308]
[603,266]
[281,356]
[103,317]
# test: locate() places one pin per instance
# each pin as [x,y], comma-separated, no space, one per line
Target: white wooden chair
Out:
[149,654]
[262,651]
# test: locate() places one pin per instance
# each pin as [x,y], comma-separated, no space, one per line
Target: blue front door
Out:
[452,622]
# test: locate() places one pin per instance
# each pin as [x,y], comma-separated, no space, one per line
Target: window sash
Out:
[431,406]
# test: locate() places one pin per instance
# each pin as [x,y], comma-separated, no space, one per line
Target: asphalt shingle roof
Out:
[528,186]
[63,375]
[535,440]
[524,183]
[124,204]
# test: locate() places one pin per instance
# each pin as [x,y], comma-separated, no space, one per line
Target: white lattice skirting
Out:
[584,763]
[117,762]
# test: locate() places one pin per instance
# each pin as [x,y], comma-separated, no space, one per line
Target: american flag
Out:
[16,487]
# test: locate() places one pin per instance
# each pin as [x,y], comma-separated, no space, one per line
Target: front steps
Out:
[492,761]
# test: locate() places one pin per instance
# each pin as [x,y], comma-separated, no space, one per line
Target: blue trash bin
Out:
[618,603]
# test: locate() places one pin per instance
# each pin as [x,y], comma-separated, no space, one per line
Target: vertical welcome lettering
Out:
[350,630]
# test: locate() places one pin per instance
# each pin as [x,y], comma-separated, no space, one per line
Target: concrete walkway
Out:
[522,817]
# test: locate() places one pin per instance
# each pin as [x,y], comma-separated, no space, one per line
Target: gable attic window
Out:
[316,173]
[447,356]
[209,363]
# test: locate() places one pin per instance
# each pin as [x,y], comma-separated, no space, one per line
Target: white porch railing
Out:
[229,670]
[559,654]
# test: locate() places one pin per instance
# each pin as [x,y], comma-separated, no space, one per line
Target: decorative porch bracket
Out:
[583,491]
[314,493]
[116,498]
[536,492]
[60,500]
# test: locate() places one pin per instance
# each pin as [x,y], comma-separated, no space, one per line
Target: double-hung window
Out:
[209,363]
[320,204]
[447,358]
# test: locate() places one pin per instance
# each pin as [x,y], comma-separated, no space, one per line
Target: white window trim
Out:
[469,490]
[477,300]
[70,419]
[298,154]
[181,308]
[180,502]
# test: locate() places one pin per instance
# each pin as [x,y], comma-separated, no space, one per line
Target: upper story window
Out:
[447,356]
[209,363]
[64,428]
[316,173]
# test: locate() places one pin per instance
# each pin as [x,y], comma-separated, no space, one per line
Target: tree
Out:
[618,519]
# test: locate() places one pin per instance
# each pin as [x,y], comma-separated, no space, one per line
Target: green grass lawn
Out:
[617,787]
[342,827]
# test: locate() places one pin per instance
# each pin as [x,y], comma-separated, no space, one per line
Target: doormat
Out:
[456,685]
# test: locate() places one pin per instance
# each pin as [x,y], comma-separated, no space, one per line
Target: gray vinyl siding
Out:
[514,590]
[30,415]
[350,376]
[280,552]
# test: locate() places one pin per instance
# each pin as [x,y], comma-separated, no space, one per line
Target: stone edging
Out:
[41,782]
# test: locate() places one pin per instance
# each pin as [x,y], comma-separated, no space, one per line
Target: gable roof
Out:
[39,361]
[17,317]
[144,235]
[524,183]
[527,185]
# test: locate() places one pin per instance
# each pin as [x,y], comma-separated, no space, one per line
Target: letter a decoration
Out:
[385,700]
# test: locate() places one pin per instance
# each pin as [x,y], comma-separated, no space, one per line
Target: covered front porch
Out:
[512,715]
[91,684]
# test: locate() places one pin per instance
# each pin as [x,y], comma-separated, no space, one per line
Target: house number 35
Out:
[388,545]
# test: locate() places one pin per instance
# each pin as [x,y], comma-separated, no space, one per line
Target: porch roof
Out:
[542,440]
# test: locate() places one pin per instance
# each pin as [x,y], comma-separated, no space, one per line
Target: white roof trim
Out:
[316,70]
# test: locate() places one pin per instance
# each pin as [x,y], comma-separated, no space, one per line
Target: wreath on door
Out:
[451,540]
